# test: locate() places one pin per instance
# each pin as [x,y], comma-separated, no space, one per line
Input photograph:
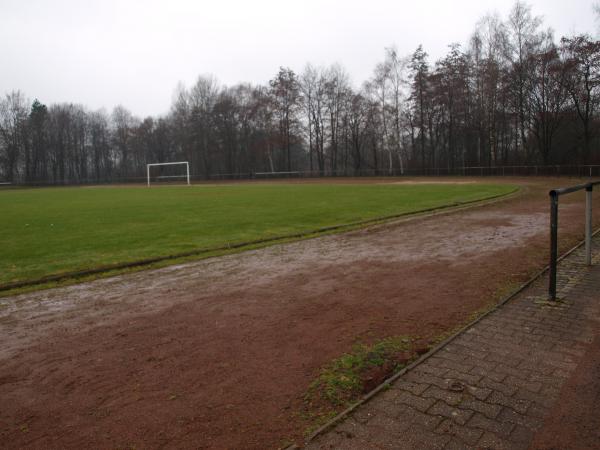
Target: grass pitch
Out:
[59,230]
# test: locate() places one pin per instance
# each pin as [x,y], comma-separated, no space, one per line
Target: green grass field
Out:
[57,230]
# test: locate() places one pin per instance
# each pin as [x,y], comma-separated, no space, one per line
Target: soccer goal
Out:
[166,177]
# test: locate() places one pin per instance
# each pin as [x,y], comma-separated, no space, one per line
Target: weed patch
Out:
[343,381]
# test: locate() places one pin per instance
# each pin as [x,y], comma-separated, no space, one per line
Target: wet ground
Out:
[218,353]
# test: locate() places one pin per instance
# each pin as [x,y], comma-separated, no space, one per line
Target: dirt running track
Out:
[218,353]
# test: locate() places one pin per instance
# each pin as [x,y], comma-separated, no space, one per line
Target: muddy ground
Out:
[218,353]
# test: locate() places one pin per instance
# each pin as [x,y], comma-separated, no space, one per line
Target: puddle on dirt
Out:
[452,238]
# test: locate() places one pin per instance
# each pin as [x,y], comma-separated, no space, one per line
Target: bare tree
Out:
[286,93]
[524,38]
[308,83]
[399,87]
[13,133]
[548,97]
[101,156]
[313,85]
[201,101]
[336,92]
[123,123]
[420,75]
[582,77]
[37,169]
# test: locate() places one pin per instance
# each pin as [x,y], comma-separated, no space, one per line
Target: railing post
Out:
[588,223]
[553,243]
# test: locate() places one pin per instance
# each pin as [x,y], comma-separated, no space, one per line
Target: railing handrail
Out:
[567,190]
[554,195]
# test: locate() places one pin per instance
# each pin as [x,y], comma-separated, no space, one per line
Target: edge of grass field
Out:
[106,271]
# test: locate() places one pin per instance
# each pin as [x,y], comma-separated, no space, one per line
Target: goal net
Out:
[171,171]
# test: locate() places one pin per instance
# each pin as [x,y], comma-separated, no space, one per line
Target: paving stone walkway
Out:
[493,385]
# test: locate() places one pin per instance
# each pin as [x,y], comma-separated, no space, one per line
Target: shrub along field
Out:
[53,231]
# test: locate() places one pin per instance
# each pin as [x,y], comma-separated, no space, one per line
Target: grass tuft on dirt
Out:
[343,381]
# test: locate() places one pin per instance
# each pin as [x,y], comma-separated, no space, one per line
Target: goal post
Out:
[186,176]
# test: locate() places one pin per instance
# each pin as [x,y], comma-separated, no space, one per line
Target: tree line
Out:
[512,95]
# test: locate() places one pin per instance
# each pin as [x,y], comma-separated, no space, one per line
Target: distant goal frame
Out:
[187,171]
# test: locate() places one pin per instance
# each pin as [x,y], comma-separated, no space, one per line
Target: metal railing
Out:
[476,171]
[554,195]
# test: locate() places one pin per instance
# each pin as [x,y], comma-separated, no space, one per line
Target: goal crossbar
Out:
[187,171]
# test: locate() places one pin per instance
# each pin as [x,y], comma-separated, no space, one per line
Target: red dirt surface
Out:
[218,353]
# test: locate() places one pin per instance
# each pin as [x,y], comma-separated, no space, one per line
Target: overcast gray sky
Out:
[107,52]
